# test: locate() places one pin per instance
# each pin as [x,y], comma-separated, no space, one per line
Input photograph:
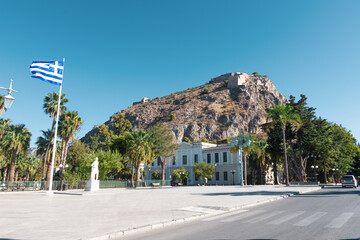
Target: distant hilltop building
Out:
[144,100]
[235,79]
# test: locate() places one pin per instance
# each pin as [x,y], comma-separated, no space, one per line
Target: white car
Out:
[349,181]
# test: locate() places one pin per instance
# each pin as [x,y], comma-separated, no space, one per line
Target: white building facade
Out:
[228,166]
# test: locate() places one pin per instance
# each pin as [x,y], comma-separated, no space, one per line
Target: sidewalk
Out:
[112,213]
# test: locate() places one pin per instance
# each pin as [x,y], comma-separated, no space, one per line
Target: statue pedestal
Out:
[92,185]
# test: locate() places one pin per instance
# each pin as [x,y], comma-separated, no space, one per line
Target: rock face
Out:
[213,111]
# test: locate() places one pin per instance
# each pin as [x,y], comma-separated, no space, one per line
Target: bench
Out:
[155,184]
[16,186]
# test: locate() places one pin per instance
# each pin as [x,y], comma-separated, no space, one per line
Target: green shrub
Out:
[172,117]
[205,91]
[179,175]
[255,73]
[264,92]
[211,80]
[155,175]
[186,139]
[204,140]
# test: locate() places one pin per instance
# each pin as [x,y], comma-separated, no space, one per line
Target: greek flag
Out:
[51,72]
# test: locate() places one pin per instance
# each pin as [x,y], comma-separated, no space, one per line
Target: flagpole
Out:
[55,137]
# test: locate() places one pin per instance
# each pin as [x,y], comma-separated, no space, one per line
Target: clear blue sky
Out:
[120,51]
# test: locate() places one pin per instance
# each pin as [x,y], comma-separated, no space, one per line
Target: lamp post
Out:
[8,99]
[334,170]
[315,169]
[233,174]
[62,167]
[215,175]
[181,176]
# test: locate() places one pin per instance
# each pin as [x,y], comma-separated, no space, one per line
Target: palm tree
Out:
[260,149]
[283,115]
[17,139]
[69,123]
[139,150]
[42,144]
[4,126]
[1,104]
[51,107]
[30,165]
[246,149]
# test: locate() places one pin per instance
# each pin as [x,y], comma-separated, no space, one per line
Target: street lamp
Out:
[334,170]
[8,99]
[233,173]
[62,167]
[181,176]
[215,175]
[315,169]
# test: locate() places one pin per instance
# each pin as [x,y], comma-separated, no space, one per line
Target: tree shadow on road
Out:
[266,193]
[331,191]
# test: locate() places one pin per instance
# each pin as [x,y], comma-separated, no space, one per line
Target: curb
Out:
[131,231]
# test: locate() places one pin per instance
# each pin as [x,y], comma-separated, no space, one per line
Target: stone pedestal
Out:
[92,185]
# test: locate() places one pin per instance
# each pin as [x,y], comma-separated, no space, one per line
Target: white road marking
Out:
[263,217]
[223,215]
[309,220]
[239,217]
[286,218]
[201,210]
[340,220]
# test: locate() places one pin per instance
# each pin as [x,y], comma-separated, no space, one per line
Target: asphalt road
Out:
[330,213]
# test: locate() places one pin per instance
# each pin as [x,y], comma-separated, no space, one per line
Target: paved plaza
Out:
[112,213]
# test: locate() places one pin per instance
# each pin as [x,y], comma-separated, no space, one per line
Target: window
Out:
[184,159]
[174,161]
[196,160]
[216,157]
[225,176]
[152,164]
[208,158]
[224,157]
[158,161]
[217,176]
[196,178]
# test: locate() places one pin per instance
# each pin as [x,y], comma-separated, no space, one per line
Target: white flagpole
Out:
[55,137]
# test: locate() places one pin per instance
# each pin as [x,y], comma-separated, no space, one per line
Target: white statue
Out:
[95,170]
[93,184]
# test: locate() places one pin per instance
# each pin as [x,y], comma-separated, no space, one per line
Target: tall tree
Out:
[274,148]
[260,151]
[1,104]
[4,126]
[42,143]
[302,140]
[204,171]
[69,123]
[247,146]
[283,115]
[139,150]
[120,124]
[17,139]
[30,165]
[50,107]
[163,145]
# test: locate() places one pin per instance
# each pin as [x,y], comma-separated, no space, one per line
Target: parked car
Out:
[349,181]
[173,183]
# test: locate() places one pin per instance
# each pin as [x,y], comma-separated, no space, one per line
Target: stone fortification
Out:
[212,111]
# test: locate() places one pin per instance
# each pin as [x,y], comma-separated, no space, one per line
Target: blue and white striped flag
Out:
[51,72]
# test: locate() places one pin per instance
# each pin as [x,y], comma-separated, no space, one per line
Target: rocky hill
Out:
[215,110]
